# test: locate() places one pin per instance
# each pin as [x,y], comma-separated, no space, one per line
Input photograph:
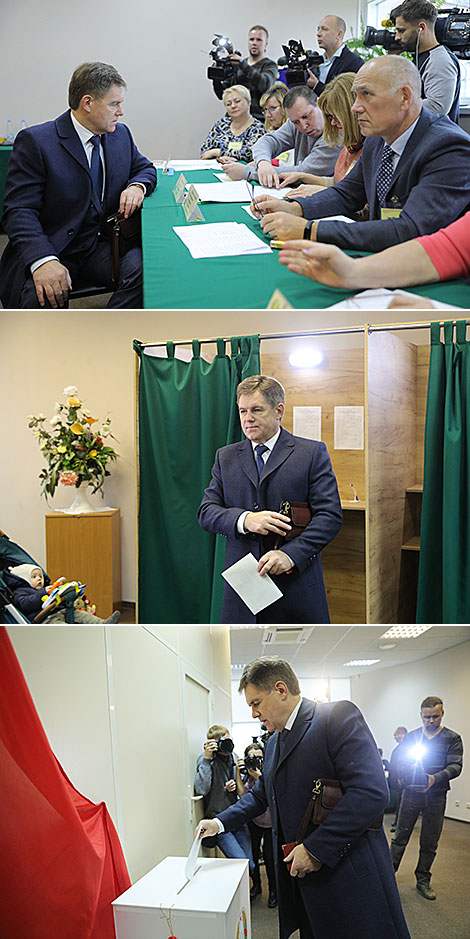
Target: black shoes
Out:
[426,891]
[272,900]
[255,891]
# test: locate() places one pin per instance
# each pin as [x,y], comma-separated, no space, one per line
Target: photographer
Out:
[249,771]
[215,780]
[439,68]
[256,71]
[429,759]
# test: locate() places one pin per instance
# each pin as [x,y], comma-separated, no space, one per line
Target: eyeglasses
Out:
[270,110]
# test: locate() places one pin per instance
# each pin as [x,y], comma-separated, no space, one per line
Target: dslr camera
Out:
[253,762]
[222,69]
[224,746]
[298,60]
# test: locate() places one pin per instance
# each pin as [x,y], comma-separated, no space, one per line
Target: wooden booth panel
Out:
[87,548]
[391,454]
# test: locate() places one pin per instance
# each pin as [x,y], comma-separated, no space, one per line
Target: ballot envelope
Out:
[214,904]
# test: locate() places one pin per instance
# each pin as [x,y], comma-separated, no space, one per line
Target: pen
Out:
[251,190]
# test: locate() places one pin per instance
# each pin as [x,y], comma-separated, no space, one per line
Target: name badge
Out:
[390,213]
[235,145]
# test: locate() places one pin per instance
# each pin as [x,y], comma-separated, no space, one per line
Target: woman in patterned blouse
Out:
[232,137]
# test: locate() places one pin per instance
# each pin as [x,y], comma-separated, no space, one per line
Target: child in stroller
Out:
[27,584]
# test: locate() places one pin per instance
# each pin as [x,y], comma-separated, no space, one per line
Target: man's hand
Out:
[52,281]
[233,169]
[264,204]
[431,781]
[261,523]
[267,175]
[281,225]
[274,562]
[206,828]
[326,264]
[230,785]
[210,747]
[302,862]
[131,199]
[312,79]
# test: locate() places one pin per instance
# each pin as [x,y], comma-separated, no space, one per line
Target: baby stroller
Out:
[11,555]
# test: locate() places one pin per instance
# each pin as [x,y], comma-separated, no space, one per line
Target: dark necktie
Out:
[96,168]
[384,176]
[259,450]
[282,742]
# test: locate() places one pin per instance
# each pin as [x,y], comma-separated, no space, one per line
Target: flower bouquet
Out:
[75,450]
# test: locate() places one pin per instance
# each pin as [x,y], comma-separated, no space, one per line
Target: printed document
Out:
[220,239]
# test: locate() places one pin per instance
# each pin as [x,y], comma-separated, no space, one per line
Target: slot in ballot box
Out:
[214,904]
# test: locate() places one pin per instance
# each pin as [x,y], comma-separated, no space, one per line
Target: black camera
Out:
[382,37]
[253,762]
[224,745]
[298,60]
[223,69]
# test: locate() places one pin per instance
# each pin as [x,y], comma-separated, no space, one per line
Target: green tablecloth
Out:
[174,280]
[4,157]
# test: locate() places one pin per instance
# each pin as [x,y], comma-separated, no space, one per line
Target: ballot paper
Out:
[220,239]
[255,590]
[182,165]
[379,299]
[190,866]
[330,218]
[233,191]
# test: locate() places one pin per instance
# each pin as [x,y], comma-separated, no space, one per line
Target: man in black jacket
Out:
[256,71]
[430,757]
[338,58]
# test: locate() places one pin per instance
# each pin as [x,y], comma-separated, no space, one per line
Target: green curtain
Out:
[444,571]
[186,410]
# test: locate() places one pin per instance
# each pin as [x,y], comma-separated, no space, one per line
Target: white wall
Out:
[111,700]
[392,696]
[161,49]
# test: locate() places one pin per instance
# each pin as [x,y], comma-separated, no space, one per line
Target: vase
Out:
[80,504]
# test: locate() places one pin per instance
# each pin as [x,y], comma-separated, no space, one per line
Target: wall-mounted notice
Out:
[307,422]
[349,428]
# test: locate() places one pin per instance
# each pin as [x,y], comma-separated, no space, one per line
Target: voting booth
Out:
[213,904]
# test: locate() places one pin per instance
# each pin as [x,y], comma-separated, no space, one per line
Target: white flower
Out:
[41,417]
[55,420]
[70,390]
[104,432]
[57,407]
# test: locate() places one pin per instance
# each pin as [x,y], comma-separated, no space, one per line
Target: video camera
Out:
[452,30]
[298,60]
[223,69]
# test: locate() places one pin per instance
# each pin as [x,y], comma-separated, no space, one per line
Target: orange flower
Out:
[73,402]
[77,428]
[91,420]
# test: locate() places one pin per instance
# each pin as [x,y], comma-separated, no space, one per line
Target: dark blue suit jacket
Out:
[298,470]
[431,182]
[48,190]
[348,61]
[354,895]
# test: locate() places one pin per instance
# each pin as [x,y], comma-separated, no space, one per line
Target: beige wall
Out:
[112,703]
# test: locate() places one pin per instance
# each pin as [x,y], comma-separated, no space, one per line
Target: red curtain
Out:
[61,862]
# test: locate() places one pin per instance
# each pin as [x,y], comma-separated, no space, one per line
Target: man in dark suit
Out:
[331,31]
[249,482]
[341,883]
[65,177]
[414,171]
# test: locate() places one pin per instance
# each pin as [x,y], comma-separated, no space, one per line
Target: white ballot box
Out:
[215,904]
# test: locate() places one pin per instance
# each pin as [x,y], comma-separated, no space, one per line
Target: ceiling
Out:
[329,647]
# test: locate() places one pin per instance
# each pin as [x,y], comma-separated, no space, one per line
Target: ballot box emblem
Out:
[242,929]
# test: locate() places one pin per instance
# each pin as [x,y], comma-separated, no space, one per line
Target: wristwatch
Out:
[308,229]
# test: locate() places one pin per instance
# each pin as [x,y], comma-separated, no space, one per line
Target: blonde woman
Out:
[271,106]
[232,137]
[340,126]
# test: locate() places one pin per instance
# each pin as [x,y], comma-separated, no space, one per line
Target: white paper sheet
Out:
[349,428]
[379,299]
[256,591]
[190,866]
[233,191]
[182,165]
[220,239]
[307,422]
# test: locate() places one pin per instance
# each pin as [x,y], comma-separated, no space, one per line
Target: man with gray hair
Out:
[274,496]
[333,870]
[414,171]
[64,179]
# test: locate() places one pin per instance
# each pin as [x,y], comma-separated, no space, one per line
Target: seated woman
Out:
[341,125]
[271,105]
[232,137]
[444,255]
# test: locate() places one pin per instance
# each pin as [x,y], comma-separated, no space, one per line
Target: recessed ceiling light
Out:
[361,662]
[305,357]
[388,645]
[405,632]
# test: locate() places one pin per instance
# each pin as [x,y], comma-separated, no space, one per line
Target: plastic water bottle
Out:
[9,132]
[22,125]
